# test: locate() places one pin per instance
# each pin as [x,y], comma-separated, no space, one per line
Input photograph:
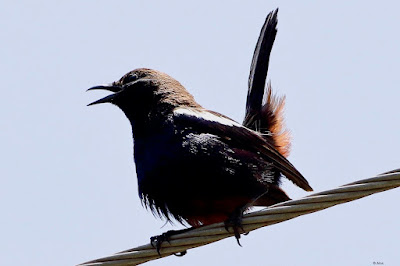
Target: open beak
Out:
[108,87]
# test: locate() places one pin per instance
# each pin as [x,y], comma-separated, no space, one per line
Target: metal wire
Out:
[274,214]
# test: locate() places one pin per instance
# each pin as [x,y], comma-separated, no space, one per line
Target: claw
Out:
[156,241]
[235,221]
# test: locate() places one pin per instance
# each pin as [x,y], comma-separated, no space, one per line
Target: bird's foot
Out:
[235,222]
[156,241]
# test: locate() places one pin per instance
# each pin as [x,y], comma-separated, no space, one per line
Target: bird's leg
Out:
[235,221]
[156,241]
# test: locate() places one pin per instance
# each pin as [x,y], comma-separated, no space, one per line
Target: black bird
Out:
[198,166]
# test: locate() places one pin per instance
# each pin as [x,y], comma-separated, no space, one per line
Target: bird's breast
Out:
[154,152]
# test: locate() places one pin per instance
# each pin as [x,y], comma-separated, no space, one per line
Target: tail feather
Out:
[266,118]
[259,67]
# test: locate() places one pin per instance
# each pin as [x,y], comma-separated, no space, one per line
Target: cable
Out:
[274,214]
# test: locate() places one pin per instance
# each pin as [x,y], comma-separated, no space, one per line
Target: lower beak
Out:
[107,87]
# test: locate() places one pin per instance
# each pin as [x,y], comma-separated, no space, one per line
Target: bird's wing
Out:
[232,133]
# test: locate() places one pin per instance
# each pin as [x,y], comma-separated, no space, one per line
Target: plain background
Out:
[68,191]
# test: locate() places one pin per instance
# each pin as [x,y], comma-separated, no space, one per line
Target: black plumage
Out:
[198,166]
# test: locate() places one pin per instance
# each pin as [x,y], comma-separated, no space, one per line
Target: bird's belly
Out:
[193,200]
[192,184]
[205,212]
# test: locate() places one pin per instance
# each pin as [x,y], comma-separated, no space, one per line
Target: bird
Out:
[200,167]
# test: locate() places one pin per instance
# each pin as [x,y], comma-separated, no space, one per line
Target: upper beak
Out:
[108,87]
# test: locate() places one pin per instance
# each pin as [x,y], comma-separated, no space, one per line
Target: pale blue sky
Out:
[68,189]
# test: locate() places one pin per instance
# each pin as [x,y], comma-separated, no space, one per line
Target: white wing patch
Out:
[206,116]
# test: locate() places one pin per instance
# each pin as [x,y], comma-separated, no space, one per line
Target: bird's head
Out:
[144,92]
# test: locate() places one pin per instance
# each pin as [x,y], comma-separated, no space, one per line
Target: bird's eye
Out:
[130,78]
